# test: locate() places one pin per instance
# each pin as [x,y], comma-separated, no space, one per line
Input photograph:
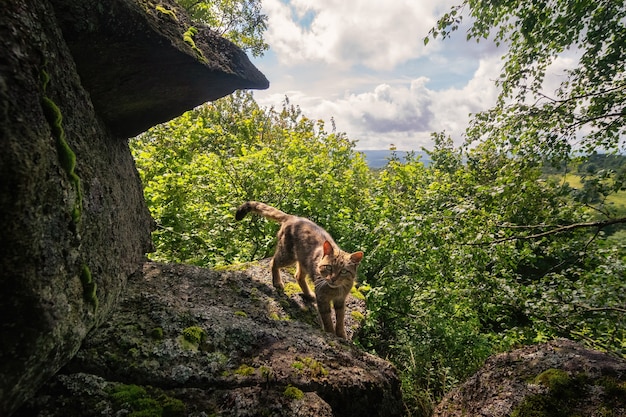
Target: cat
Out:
[315,253]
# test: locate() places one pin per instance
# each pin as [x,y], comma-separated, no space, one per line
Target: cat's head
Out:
[337,268]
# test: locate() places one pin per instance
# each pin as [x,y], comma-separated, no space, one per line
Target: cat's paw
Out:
[308,297]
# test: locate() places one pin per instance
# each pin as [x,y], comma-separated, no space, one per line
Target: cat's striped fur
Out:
[315,253]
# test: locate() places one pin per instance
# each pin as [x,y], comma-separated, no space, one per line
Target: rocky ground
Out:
[187,341]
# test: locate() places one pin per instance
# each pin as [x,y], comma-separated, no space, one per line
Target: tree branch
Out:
[588,308]
[556,230]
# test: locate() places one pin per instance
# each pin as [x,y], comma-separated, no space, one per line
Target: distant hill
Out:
[378,158]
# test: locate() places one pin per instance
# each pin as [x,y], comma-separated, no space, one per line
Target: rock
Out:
[559,378]
[144,72]
[73,221]
[220,343]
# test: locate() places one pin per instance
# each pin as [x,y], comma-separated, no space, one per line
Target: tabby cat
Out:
[316,255]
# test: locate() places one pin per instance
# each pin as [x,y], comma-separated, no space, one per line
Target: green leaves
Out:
[455,273]
[239,21]
[199,167]
[586,110]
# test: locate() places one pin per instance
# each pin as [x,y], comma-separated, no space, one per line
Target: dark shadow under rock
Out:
[218,342]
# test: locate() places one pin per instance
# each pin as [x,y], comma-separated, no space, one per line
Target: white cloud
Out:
[370,33]
[398,108]
[365,65]
[404,113]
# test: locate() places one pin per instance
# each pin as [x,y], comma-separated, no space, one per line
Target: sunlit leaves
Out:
[240,21]
[442,289]
[199,167]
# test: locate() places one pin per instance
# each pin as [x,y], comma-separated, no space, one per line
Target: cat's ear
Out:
[328,248]
[356,257]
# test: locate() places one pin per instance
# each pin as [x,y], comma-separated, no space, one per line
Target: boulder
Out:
[73,222]
[559,378]
[219,343]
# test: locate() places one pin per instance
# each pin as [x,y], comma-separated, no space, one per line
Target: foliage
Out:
[198,168]
[467,256]
[587,109]
[239,21]
[455,277]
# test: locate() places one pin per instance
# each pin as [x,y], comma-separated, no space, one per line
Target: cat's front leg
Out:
[301,279]
[323,307]
[340,311]
[276,280]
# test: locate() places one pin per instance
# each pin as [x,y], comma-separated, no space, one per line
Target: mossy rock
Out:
[293,393]
[144,403]
[560,378]
[194,334]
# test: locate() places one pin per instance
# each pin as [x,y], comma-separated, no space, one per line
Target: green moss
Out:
[245,370]
[126,394]
[357,316]
[356,293]
[310,366]
[298,365]
[293,393]
[55,119]
[89,287]
[235,267]
[561,399]
[143,404]
[292,288]
[241,314]
[266,372]
[188,38]
[45,79]
[77,211]
[67,157]
[159,8]
[553,378]
[275,316]
[157,333]
[189,41]
[194,334]
[172,407]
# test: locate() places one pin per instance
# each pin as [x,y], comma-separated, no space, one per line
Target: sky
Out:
[364,64]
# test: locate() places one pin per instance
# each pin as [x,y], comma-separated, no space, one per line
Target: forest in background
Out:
[514,237]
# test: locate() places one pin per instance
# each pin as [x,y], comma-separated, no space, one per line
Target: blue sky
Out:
[364,63]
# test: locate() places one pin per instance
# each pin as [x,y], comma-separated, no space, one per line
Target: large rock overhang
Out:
[133,60]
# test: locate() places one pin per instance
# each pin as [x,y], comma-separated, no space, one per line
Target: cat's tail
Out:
[263,209]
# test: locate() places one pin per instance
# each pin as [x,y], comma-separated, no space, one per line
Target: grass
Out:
[575,181]
[619,199]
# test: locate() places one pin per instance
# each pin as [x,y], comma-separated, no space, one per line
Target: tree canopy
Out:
[587,111]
